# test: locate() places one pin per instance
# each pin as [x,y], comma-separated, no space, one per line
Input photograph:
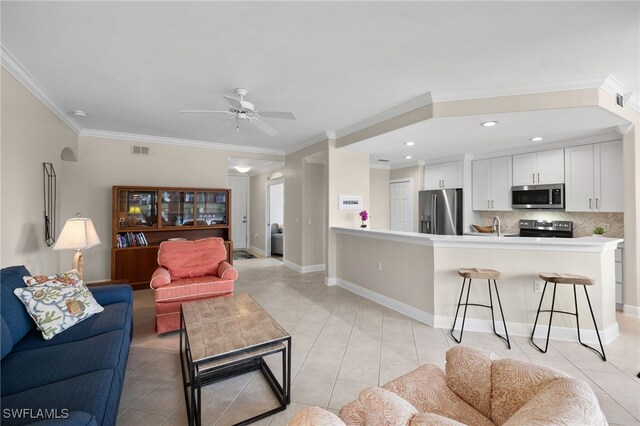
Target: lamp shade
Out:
[77,234]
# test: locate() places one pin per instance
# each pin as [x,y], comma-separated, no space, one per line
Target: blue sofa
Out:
[76,378]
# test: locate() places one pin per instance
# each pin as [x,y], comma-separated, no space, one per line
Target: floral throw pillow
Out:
[62,279]
[57,308]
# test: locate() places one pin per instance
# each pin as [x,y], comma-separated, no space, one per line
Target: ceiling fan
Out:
[242,109]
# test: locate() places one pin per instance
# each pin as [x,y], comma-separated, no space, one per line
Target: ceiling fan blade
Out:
[234,102]
[277,114]
[205,111]
[271,131]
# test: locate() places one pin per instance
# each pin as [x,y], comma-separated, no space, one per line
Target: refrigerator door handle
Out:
[434,211]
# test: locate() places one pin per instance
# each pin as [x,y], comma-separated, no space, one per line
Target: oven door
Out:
[537,197]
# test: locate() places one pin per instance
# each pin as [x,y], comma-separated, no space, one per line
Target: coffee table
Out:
[225,337]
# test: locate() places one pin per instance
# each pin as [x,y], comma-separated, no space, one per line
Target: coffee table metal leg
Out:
[288,383]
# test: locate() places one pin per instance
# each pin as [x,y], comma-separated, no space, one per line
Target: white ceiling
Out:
[132,65]
[257,166]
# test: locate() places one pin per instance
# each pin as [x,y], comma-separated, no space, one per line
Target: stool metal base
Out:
[575,314]
[490,306]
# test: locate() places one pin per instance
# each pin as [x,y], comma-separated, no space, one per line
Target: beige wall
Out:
[379,198]
[314,197]
[31,135]
[348,174]
[103,163]
[417,174]
[257,213]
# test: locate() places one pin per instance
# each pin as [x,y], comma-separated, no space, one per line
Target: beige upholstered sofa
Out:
[478,388]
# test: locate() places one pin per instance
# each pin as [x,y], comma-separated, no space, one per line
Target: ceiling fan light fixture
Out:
[242,169]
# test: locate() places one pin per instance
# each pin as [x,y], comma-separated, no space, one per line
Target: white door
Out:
[401,200]
[609,183]
[481,196]
[579,179]
[524,169]
[550,166]
[501,184]
[238,186]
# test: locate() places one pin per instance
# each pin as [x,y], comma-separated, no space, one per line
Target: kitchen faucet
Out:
[496,219]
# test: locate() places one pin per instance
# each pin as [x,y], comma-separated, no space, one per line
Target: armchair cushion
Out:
[432,419]
[227,272]
[160,278]
[194,288]
[385,408]
[315,416]
[187,259]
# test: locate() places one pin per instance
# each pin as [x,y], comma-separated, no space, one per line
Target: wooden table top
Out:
[223,326]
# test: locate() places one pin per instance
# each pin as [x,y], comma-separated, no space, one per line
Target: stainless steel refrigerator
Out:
[441,211]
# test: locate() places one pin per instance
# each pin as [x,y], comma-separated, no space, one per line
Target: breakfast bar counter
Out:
[416,274]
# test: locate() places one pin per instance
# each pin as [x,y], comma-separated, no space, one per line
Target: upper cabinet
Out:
[491,184]
[595,181]
[538,168]
[443,176]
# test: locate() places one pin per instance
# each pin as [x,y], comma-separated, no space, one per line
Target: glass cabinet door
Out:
[177,208]
[212,208]
[137,209]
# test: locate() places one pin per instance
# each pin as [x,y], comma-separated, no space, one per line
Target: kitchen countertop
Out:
[586,244]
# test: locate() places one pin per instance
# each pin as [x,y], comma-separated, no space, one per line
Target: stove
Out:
[546,228]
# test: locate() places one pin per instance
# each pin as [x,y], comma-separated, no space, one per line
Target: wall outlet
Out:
[538,286]
[606,227]
[379,265]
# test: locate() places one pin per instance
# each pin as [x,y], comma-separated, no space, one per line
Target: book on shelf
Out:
[131,239]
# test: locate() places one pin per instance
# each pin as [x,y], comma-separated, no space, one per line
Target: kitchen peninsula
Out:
[416,274]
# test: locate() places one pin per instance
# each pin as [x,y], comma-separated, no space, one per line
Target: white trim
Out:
[403,108]
[476,325]
[330,281]
[177,141]
[388,302]
[312,160]
[607,335]
[257,250]
[16,69]
[612,85]
[267,216]
[634,102]
[303,269]
[415,163]
[634,311]
[321,137]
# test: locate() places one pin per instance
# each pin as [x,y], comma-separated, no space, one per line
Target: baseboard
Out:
[390,303]
[330,281]
[258,251]
[476,325]
[303,269]
[634,311]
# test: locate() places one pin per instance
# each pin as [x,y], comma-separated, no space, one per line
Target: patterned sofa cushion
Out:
[385,408]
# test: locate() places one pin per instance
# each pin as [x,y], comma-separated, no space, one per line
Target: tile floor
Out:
[343,343]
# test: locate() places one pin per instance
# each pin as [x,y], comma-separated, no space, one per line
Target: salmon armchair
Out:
[189,271]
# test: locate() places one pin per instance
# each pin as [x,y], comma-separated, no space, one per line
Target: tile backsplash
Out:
[583,222]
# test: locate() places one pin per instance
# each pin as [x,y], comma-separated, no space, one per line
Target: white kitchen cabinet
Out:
[491,187]
[544,167]
[443,176]
[595,181]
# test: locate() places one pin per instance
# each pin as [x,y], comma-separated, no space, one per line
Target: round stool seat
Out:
[554,277]
[483,274]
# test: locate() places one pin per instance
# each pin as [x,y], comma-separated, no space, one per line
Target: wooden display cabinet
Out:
[144,216]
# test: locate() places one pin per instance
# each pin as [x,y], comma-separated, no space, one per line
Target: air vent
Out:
[383,160]
[139,150]
[620,100]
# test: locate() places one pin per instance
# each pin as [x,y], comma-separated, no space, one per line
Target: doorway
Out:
[274,234]
[401,205]
[239,201]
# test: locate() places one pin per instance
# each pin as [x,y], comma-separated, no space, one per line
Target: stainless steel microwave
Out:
[538,196]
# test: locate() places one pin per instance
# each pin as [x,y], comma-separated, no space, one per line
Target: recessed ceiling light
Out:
[410,143]
[242,169]
[79,113]
[489,123]
[408,157]
[536,139]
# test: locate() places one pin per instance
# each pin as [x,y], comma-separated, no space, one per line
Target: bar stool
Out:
[572,280]
[483,274]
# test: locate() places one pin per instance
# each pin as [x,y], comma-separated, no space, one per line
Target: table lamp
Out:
[77,234]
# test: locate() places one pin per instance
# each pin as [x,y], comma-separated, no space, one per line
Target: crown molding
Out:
[321,137]
[634,102]
[393,112]
[415,163]
[17,70]
[379,166]
[131,137]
